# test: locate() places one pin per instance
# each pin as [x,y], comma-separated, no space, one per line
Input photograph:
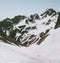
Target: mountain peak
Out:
[49,12]
[22,30]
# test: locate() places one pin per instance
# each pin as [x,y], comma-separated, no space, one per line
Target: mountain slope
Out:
[47,52]
[24,31]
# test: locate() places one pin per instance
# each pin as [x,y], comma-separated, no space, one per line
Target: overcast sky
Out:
[11,8]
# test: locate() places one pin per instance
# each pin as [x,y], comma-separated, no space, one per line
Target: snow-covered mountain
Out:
[47,52]
[22,30]
[40,32]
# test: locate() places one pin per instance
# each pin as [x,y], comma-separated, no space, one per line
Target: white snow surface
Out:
[47,52]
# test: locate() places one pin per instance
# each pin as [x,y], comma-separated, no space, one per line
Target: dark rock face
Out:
[58,21]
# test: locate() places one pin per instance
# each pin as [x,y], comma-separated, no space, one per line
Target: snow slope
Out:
[11,54]
[47,52]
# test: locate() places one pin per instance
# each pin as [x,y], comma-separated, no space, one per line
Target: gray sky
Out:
[11,8]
